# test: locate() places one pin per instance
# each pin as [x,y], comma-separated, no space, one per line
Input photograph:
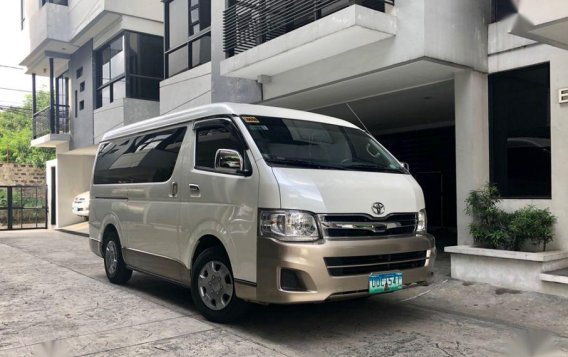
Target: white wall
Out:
[73,177]
[186,90]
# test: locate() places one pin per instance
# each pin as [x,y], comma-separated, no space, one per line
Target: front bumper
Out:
[307,261]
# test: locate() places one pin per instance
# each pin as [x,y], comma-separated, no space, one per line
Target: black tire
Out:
[119,273]
[234,307]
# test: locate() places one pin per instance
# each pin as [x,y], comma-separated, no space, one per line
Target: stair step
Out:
[556,276]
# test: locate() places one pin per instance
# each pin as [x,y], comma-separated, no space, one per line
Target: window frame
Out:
[216,122]
[191,39]
[492,138]
[126,76]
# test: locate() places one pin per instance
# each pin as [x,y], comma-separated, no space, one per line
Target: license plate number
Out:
[385,283]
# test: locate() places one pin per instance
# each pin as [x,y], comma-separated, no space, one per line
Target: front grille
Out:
[345,266]
[335,226]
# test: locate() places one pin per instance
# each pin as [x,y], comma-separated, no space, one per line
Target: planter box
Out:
[512,270]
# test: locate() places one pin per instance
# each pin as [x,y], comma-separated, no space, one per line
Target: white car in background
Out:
[81,204]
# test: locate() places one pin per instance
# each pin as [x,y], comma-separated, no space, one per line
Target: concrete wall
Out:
[82,124]
[21,174]
[73,177]
[186,90]
[226,89]
[122,112]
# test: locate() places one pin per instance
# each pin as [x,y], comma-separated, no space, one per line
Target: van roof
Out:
[219,109]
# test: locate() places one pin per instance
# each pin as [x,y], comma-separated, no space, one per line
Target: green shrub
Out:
[496,229]
[534,225]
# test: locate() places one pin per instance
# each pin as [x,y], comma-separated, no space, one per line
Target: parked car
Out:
[80,205]
[257,204]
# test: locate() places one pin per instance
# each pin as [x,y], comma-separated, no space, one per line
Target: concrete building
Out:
[104,61]
[465,91]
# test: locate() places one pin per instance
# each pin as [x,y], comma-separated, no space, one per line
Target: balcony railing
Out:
[249,23]
[43,123]
[56,2]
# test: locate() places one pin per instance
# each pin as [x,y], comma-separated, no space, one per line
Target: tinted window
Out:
[145,158]
[520,132]
[211,140]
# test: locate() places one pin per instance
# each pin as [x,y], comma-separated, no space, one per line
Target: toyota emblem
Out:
[378,208]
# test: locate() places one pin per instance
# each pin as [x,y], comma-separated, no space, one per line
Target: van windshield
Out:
[308,144]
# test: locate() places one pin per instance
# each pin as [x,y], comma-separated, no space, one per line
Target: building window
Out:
[501,9]
[82,86]
[82,105]
[79,73]
[56,2]
[130,66]
[188,34]
[520,132]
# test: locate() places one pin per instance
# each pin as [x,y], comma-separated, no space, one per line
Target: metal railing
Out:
[43,124]
[249,23]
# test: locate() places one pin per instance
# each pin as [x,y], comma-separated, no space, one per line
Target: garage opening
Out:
[418,126]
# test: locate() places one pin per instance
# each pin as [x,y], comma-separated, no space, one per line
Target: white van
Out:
[246,203]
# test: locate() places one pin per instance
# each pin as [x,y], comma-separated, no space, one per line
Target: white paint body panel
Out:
[325,191]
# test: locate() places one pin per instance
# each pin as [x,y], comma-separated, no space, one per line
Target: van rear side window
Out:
[139,159]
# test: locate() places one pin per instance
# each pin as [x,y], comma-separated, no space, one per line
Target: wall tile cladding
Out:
[21,174]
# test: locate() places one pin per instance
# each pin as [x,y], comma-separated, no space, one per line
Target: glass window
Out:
[129,66]
[300,143]
[141,159]
[211,140]
[189,38]
[520,132]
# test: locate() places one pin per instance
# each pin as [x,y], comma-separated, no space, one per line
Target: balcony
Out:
[269,37]
[50,126]
[546,23]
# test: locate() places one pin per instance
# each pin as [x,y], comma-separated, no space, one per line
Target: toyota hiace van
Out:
[246,203]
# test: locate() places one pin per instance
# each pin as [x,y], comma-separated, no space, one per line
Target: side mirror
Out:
[406,166]
[230,161]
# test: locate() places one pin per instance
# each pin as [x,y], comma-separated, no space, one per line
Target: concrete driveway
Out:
[55,301]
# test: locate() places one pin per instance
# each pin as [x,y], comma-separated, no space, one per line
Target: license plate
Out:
[385,283]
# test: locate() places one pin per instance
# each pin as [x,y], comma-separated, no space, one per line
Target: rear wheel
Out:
[213,287]
[115,267]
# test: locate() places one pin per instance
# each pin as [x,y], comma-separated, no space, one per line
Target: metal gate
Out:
[23,207]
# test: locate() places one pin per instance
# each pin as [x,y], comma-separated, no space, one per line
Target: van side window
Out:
[212,139]
[139,159]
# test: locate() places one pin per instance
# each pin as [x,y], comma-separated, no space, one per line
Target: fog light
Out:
[290,280]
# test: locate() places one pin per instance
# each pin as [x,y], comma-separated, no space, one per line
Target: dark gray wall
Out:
[82,123]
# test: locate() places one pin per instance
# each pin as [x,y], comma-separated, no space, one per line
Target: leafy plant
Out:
[534,225]
[16,134]
[494,228]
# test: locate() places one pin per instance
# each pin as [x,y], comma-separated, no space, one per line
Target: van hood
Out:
[331,191]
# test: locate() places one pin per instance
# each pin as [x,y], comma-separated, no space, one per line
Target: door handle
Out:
[174,189]
[194,190]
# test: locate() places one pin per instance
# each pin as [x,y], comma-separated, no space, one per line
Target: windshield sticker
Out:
[251,120]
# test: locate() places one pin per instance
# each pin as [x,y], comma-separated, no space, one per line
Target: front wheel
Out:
[213,288]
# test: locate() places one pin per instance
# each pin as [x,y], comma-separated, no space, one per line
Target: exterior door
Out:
[221,204]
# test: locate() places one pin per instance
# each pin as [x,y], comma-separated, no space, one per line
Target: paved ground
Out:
[55,301]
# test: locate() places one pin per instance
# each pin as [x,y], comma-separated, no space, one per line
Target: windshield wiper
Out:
[374,168]
[304,163]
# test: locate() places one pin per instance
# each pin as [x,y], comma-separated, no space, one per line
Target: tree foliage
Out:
[16,134]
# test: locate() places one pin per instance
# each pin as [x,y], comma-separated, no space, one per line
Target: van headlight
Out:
[289,225]
[422,223]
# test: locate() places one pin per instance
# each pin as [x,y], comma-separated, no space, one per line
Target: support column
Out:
[51,97]
[472,141]
[34,105]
